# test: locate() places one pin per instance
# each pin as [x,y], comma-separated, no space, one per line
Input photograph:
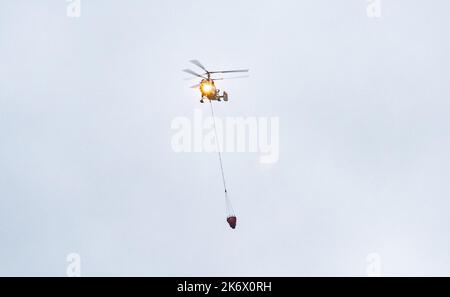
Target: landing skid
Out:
[218,98]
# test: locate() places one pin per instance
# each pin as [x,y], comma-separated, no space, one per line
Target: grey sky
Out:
[86,164]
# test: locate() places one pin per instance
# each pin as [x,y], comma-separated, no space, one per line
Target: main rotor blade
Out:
[193,73]
[230,71]
[195,86]
[235,77]
[197,63]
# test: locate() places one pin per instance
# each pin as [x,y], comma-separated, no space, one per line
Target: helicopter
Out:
[207,86]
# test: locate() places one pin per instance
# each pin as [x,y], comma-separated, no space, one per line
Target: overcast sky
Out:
[86,163]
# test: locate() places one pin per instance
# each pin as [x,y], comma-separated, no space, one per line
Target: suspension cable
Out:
[218,147]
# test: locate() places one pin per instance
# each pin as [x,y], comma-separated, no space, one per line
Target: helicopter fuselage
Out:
[208,90]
